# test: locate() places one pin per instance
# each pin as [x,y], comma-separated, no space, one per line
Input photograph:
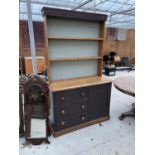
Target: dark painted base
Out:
[74,128]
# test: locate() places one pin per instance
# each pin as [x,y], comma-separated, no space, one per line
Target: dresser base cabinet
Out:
[79,126]
[77,108]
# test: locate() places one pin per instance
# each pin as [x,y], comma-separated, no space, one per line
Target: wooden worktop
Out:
[77,83]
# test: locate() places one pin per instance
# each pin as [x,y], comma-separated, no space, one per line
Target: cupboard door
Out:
[99,101]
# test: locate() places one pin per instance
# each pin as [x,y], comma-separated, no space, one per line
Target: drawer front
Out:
[70,109]
[70,96]
[71,121]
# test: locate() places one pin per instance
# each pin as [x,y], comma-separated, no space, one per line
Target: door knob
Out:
[62,123]
[83,106]
[62,98]
[82,118]
[63,111]
[82,94]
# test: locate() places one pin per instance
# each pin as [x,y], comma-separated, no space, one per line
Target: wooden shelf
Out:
[74,38]
[77,83]
[75,59]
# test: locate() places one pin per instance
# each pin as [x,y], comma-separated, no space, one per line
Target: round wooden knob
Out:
[82,118]
[82,94]
[83,106]
[62,123]
[63,111]
[62,98]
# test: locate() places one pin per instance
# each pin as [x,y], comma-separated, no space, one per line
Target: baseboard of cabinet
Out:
[79,126]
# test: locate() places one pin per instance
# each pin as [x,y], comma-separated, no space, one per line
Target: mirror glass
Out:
[38,128]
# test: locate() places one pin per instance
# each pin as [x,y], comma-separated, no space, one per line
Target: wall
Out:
[123,48]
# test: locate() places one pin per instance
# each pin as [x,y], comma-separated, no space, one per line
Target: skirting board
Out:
[79,126]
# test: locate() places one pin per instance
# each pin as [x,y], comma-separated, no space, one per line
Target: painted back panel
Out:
[72,28]
[73,69]
[62,70]
[72,48]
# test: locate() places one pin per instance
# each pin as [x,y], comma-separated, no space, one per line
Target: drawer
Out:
[70,96]
[71,121]
[69,109]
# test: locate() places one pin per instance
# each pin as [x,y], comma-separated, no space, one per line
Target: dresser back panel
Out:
[72,28]
[73,69]
[72,48]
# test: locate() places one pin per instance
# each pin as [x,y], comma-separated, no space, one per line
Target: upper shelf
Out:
[73,38]
[75,59]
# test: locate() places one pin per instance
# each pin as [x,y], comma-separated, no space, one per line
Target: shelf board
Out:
[77,83]
[74,38]
[75,59]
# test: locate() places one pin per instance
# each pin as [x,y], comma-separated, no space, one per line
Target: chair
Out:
[125,62]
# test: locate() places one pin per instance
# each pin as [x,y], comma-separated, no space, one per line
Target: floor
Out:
[113,137]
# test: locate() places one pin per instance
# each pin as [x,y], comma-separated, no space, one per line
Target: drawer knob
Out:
[62,123]
[82,118]
[62,98]
[63,111]
[83,106]
[82,94]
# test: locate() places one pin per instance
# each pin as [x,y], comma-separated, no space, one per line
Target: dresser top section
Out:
[61,13]
[77,83]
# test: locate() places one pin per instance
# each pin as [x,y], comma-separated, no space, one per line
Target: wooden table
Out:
[127,86]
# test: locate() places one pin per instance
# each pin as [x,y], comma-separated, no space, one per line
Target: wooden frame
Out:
[22,80]
[21,66]
[67,14]
[60,13]
[74,38]
[35,81]
[28,64]
[72,86]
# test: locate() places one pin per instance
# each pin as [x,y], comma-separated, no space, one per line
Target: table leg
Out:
[130,113]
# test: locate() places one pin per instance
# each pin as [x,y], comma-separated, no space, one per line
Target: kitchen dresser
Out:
[79,95]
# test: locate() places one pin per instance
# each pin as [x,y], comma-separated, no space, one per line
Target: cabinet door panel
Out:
[99,101]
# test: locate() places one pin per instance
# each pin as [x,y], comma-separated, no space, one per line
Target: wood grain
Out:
[61,13]
[77,83]
[100,49]
[123,48]
[126,85]
[73,38]
[75,59]
[46,48]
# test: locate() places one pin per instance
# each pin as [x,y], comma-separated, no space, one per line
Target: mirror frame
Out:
[22,80]
[42,84]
